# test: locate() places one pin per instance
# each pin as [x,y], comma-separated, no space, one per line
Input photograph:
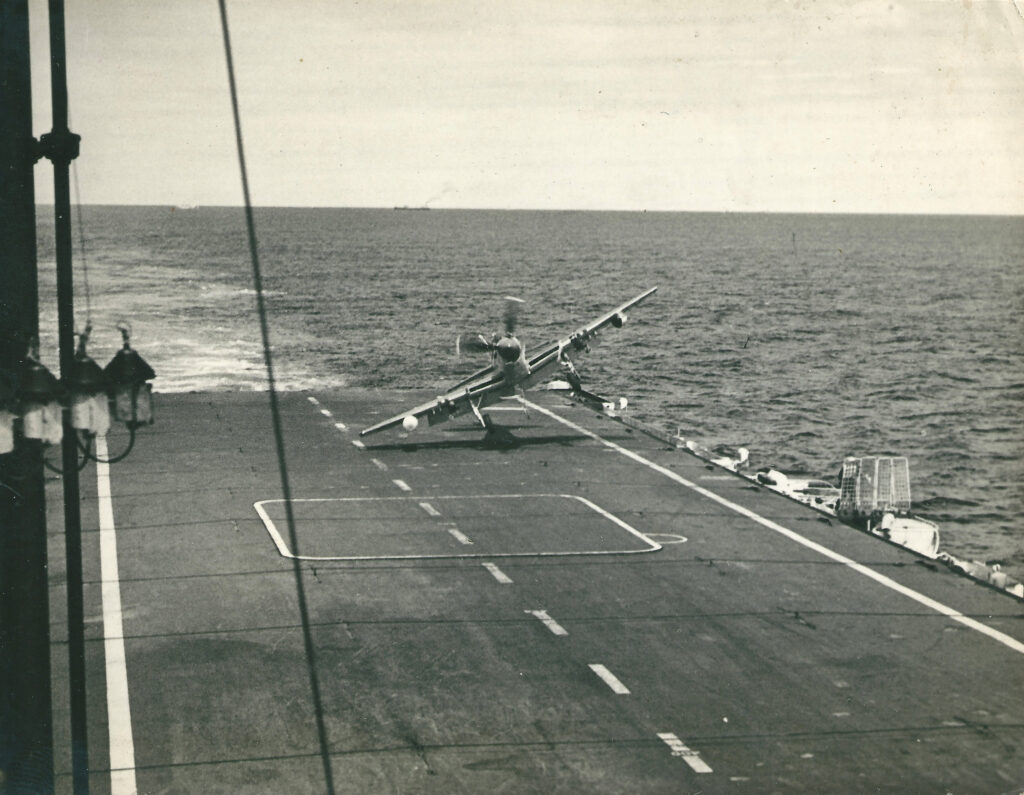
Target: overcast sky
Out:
[748,105]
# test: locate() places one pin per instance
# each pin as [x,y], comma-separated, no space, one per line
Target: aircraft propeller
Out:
[478,343]
[472,343]
[512,307]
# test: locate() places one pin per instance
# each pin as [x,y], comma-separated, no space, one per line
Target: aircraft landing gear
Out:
[497,437]
[571,374]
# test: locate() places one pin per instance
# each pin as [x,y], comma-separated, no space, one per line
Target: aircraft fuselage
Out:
[509,359]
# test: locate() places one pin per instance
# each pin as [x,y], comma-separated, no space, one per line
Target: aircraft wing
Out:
[579,339]
[483,386]
[454,402]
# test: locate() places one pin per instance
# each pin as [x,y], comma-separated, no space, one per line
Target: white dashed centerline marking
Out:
[688,755]
[430,509]
[359,444]
[498,574]
[459,536]
[402,485]
[326,412]
[550,623]
[313,400]
[341,426]
[379,464]
[609,679]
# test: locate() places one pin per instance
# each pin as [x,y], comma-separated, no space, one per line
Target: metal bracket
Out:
[58,146]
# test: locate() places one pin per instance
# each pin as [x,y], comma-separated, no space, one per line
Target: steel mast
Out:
[26,722]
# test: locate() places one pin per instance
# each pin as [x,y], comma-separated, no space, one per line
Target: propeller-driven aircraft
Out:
[511,372]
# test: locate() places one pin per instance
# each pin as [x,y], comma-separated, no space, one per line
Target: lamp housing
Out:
[40,394]
[90,410]
[131,397]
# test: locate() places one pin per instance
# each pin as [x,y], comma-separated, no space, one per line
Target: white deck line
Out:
[497,573]
[459,536]
[119,714]
[910,593]
[688,755]
[609,679]
[430,509]
[548,621]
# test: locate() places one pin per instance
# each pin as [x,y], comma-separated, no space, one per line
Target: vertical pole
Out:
[63,149]
[26,723]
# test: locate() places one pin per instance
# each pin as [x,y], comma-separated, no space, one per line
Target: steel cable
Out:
[307,637]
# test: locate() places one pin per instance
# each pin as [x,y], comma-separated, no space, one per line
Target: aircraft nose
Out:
[509,349]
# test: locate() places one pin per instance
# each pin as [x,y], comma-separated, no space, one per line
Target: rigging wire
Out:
[275,414]
[81,246]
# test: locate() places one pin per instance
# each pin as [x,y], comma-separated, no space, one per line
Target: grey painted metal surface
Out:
[622,632]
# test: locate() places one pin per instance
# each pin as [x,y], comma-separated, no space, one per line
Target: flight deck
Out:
[586,610]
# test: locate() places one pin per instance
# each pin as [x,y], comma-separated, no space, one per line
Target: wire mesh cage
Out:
[874,484]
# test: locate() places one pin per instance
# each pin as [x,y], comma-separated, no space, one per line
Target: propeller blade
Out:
[512,307]
[472,343]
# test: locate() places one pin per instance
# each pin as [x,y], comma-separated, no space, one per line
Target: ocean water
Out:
[805,338]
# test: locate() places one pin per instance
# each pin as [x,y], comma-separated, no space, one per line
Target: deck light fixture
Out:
[33,400]
[40,393]
[131,394]
[90,410]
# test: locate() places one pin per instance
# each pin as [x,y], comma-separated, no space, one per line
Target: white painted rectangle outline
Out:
[285,552]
